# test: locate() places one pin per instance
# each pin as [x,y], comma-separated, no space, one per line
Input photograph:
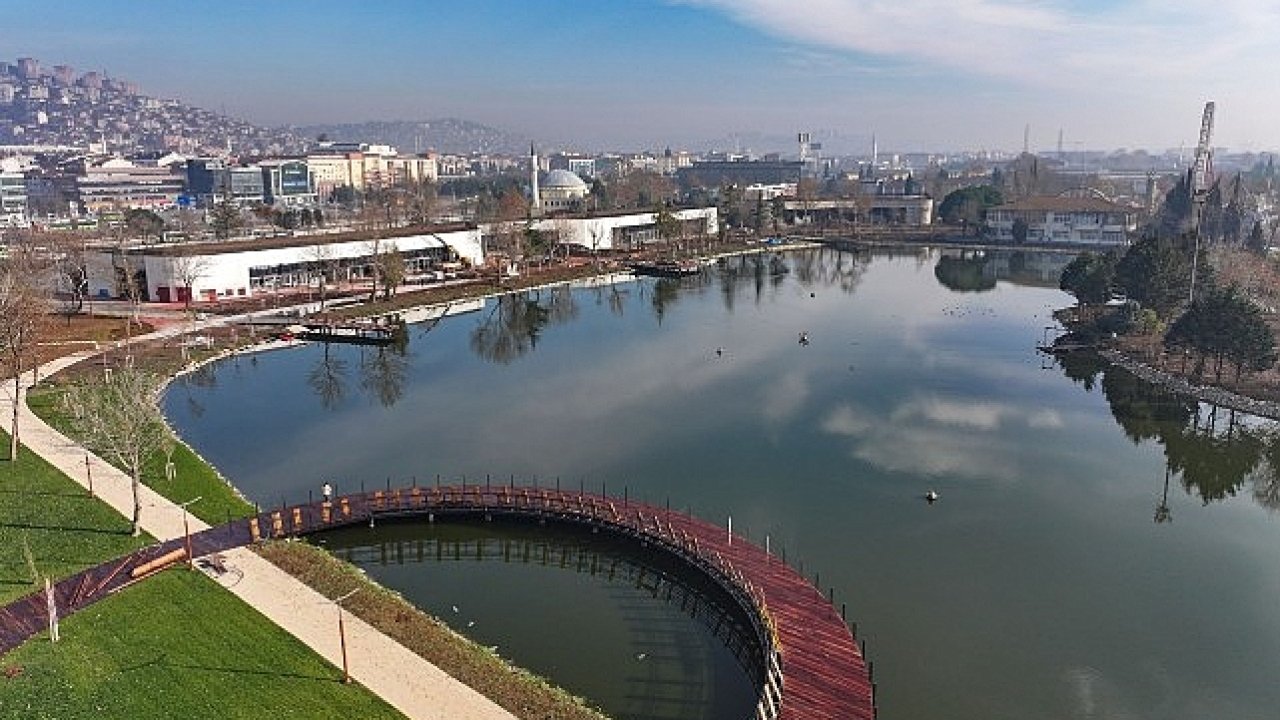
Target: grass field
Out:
[194,478]
[176,646]
[65,530]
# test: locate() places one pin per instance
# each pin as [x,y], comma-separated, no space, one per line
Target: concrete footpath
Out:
[412,685]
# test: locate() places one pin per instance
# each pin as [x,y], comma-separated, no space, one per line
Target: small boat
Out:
[667,268]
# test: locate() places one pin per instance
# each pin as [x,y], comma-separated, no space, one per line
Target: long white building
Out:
[211,271]
[626,230]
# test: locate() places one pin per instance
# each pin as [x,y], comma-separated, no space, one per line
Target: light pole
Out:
[342,635]
[186,530]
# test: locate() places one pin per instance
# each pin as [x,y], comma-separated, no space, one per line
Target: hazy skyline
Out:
[929,74]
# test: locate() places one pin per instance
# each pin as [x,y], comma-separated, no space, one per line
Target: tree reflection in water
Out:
[1213,451]
[327,378]
[964,274]
[383,370]
[516,321]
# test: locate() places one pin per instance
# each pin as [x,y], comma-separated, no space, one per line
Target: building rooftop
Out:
[1058,203]
[563,179]
[223,247]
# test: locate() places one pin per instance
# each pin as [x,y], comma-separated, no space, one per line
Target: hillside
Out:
[57,106]
[42,105]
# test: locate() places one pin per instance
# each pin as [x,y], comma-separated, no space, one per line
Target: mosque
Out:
[557,202]
[559,191]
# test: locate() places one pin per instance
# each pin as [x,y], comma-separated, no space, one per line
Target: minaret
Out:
[535,201]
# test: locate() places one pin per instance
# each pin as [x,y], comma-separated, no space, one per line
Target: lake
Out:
[1100,549]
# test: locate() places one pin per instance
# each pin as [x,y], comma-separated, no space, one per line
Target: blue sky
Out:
[920,74]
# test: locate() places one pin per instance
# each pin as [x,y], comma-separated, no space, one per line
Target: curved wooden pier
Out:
[813,667]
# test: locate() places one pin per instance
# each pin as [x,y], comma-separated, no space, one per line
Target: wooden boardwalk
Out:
[813,667]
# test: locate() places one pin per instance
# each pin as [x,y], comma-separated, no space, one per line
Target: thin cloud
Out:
[1050,42]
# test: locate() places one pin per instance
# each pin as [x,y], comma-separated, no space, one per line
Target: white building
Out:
[627,230]
[361,166]
[116,183]
[913,210]
[206,272]
[13,194]
[1088,220]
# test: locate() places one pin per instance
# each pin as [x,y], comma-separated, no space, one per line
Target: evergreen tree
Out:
[1257,240]
[968,205]
[1089,277]
[1156,271]
[1224,327]
[1174,216]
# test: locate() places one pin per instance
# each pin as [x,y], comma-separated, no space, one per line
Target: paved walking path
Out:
[412,685]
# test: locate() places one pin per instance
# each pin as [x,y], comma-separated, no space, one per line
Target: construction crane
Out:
[1201,170]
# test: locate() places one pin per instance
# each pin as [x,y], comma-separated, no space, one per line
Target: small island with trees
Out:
[1186,305]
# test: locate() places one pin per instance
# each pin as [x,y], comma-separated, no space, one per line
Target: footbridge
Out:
[812,666]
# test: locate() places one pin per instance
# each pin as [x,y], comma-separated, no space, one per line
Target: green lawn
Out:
[65,529]
[195,478]
[176,646]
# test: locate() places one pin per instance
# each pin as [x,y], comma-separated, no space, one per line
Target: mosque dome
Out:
[563,180]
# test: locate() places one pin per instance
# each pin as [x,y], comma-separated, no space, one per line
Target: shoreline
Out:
[1211,394]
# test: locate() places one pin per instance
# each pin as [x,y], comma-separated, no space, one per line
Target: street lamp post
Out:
[342,635]
[186,529]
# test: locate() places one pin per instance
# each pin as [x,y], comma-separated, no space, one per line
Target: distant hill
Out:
[55,105]
[446,135]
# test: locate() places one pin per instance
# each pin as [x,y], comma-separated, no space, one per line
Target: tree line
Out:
[1168,285]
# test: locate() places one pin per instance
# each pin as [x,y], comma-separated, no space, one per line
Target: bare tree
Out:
[119,419]
[188,266]
[70,274]
[422,204]
[391,267]
[641,189]
[324,265]
[130,285]
[596,233]
[562,227]
[188,223]
[668,226]
[21,311]
[225,219]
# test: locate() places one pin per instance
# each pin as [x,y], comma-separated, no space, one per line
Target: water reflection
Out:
[382,372]
[1213,451]
[514,324]
[979,270]
[672,615]
[328,378]
[964,273]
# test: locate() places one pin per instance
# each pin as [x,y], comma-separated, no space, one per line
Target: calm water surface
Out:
[1040,586]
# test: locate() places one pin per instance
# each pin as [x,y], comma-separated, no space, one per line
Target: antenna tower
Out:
[1200,173]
